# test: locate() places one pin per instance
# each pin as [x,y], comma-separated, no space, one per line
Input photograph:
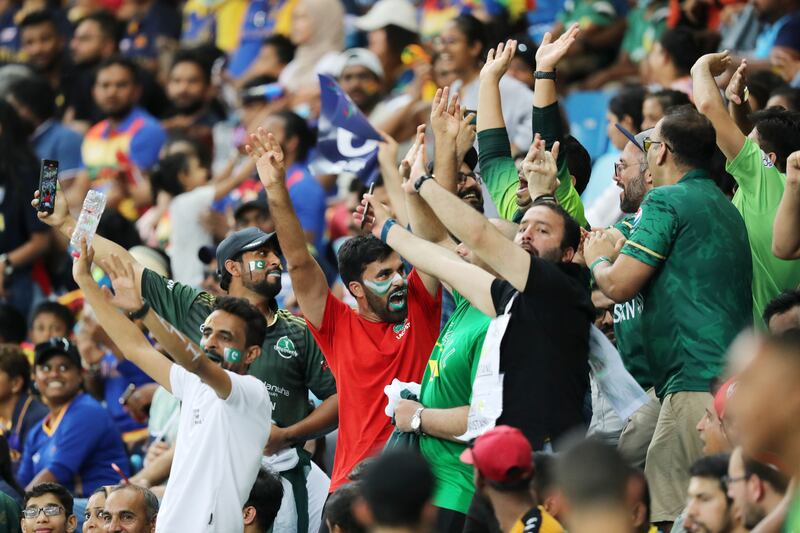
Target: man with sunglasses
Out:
[689,257]
[48,507]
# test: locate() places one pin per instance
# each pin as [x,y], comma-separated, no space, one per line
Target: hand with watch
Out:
[408,416]
[551,51]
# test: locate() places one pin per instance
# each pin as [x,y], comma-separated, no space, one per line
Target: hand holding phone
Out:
[366,207]
[48,182]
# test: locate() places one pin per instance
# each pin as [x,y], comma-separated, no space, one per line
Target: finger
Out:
[735,99]
[512,49]
[547,39]
[445,99]
[468,118]
[531,155]
[500,48]
[437,97]
[555,149]
[490,56]
[453,108]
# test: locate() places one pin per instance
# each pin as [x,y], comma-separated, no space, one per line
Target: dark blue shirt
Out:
[309,200]
[53,140]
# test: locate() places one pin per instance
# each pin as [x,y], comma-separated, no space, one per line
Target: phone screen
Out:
[48,181]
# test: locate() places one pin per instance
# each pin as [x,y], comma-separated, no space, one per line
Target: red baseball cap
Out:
[502,455]
[723,396]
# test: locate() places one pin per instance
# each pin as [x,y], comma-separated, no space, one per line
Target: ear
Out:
[627,121]
[362,513]
[648,177]
[249,514]
[755,488]
[476,49]
[568,254]
[252,354]
[17,384]
[72,523]
[356,289]
[639,514]
[234,268]
[772,157]
[662,153]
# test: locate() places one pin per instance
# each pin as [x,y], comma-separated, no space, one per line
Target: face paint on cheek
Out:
[381,288]
[232,355]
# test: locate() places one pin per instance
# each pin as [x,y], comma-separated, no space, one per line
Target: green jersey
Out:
[447,383]
[645,26]
[699,297]
[628,326]
[760,190]
[290,363]
[792,524]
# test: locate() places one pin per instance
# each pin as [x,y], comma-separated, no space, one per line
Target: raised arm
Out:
[785,234]
[392,180]
[474,283]
[738,105]
[620,277]
[496,65]
[229,182]
[308,280]
[123,332]
[709,102]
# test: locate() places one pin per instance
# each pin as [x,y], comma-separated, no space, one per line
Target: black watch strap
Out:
[540,75]
[139,313]
[421,180]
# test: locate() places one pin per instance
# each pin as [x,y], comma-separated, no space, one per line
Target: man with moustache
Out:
[757,488]
[291,363]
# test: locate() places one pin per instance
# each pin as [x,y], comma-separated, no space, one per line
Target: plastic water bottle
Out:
[93,206]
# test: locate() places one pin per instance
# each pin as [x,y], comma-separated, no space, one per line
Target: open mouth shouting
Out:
[397,299]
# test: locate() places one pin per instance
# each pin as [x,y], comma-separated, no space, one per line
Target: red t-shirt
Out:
[366,356]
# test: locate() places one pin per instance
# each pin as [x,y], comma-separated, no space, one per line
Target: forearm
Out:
[741,116]
[707,97]
[233,180]
[31,250]
[785,237]
[445,166]
[424,223]
[612,282]
[287,226]
[445,423]
[394,189]
[156,470]
[544,91]
[465,223]
[182,350]
[318,423]
[489,103]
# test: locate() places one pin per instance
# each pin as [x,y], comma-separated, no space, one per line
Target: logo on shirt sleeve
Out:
[638,217]
[766,160]
[285,347]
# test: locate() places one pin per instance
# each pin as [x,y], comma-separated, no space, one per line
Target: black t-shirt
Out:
[544,353]
[18,220]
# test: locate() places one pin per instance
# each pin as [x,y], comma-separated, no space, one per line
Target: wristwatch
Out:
[541,75]
[8,268]
[416,421]
[421,180]
[141,312]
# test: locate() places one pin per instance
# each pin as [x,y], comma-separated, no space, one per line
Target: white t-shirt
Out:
[217,456]
[188,235]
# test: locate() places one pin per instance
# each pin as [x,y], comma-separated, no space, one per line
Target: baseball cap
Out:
[359,57]
[502,455]
[245,240]
[633,138]
[789,34]
[723,396]
[56,346]
[389,12]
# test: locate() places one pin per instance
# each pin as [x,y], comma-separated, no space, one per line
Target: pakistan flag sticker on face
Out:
[258,265]
[232,355]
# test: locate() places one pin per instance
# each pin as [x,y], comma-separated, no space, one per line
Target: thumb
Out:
[555,149]
[619,244]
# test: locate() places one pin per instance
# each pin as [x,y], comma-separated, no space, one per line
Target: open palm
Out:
[268,155]
[550,52]
[123,279]
[497,61]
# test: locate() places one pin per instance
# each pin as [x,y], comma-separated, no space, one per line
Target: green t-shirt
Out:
[628,326]
[10,514]
[447,383]
[645,26]
[290,363]
[699,297]
[792,524]
[587,13]
[760,189]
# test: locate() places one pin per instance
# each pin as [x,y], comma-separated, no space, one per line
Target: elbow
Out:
[618,293]
[782,251]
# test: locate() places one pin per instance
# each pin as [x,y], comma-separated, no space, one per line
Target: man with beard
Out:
[360,76]
[708,508]
[291,365]
[389,336]
[224,421]
[756,488]
[127,142]
[43,46]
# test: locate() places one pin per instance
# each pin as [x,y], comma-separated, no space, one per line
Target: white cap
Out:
[400,13]
[360,57]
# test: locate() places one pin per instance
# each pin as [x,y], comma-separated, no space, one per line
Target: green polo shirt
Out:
[760,190]
[628,326]
[290,363]
[699,297]
[447,383]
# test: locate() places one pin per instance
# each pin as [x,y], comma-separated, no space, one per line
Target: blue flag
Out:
[346,141]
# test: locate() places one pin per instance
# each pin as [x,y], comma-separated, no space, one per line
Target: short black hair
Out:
[474,30]
[685,46]
[255,324]
[121,61]
[63,495]
[690,135]
[592,473]
[60,311]
[761,83]
[13,327]
[339,508]
[164,176]
[628,102]
[265,497]
[766,472]
[356,253]
[15,363]
[579,162]
[296,126]
[283,46]
[109,25]
[781,304]
[186,55]
[789,93]
[572,230]
[35,93]
[150,500]
[544,475]
[778,131]
[35,18]
[713,467]
[397,487]
[669,98]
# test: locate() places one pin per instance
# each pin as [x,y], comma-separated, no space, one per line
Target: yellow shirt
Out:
[537,520]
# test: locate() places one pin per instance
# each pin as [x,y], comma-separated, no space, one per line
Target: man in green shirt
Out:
[689,258]
[291,364]
[758,164]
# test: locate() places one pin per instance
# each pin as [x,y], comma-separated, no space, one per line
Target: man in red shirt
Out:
[390,335]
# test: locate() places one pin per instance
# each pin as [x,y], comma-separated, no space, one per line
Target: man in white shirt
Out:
[225,414]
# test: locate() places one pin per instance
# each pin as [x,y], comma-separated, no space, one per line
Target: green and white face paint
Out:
[381,288]
[257,265]
[232,355]
[397,298]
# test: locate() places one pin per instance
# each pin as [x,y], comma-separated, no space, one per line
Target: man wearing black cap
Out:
[291,363]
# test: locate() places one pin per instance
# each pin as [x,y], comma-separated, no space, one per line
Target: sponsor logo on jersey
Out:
[285,348]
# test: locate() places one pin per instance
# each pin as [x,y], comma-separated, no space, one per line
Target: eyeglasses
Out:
[31,513]
[648,142]
[620,166]
[461,177]
[727,480]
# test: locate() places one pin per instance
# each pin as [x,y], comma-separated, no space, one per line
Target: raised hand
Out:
[497,61]
[411,155]
[717,62]
[387,151]
[601,243]
[735,91]
[540,169]
[60,214]
[123,278]
[418,169]
[378,215]
[793,169]
[268,155]
[445,117]
[82,265]
[466,136]
[550,52]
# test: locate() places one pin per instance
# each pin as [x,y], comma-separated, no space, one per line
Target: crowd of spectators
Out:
[566,299]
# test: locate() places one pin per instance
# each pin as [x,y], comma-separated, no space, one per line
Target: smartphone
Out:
[474,121]
[366,207]
[48,181]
